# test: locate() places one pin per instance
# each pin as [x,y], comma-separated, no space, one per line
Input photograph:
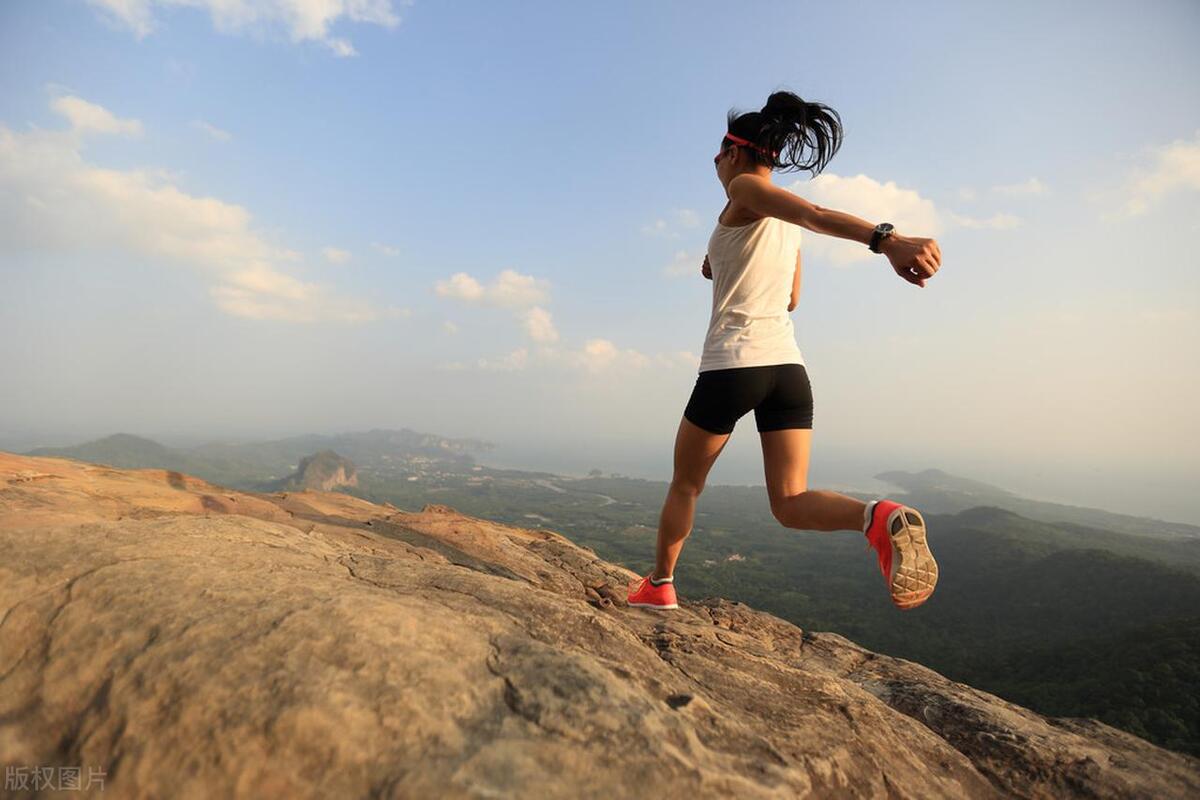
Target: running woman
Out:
[751,360]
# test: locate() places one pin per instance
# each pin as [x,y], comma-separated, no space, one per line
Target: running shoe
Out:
[647,595]
[897,532]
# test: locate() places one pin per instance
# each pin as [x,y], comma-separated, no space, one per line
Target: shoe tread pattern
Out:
[914,570]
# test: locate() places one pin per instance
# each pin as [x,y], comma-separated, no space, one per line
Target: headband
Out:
[748,143]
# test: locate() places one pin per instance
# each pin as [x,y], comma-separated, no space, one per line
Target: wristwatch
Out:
[882,231]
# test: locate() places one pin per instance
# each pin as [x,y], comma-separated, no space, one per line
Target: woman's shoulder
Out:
[735,216]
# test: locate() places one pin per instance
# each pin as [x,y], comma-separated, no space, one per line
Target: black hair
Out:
[785,126]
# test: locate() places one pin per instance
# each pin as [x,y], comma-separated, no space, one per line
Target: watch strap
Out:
[878,236]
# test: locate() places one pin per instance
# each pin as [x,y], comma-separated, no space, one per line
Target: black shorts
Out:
[780,395]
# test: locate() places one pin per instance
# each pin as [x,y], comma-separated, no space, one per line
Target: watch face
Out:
[885,227]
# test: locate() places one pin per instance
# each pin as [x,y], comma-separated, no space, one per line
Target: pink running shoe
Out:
[897,532]
[647,595]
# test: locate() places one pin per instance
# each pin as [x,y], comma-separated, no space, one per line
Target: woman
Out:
[751,360]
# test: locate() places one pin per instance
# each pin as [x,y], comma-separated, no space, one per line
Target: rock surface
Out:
[194,642]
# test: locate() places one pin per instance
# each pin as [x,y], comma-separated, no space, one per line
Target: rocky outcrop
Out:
[192,641]
[321,471]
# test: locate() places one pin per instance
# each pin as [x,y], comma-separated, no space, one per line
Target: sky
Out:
[244,219]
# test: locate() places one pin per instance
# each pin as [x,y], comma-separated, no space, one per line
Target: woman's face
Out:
[725,163]
[733,161]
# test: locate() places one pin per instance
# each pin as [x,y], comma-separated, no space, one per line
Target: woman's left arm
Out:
[913,258]
[795,285]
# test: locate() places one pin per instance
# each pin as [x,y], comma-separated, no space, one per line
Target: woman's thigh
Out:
[784,420]
[696,450]
[785,462]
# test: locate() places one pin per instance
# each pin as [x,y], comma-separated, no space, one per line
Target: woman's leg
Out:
[785,459]
[696,449]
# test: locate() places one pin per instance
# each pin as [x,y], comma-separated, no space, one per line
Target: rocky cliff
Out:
[321,471]
[185,640]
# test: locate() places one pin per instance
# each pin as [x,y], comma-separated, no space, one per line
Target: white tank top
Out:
[753,267]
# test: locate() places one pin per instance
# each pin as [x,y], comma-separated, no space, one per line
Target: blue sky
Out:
[484,219]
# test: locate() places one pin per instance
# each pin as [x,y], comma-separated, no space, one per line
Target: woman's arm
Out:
[795,285]
[913,258]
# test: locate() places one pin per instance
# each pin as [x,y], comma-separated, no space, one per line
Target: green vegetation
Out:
[1143,681]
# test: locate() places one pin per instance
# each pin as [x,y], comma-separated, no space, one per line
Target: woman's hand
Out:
[706,268]
[913,258]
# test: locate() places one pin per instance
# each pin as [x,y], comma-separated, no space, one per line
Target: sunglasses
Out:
[737,140]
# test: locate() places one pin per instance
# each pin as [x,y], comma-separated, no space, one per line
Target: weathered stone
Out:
[193,641]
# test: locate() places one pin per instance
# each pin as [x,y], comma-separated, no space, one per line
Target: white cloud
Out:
[510,289]
[596,357]
[681,218]
[52,198]
[517,359]
[998,221]
[335,255]
[1174,167]
[539,325]
[385,249]
[449,327]
[600,355]
[911,213]
[514,290]
[214,133]
[88,117]
[684,264]
[460,286]
[302,20]
[341,48]
[871,200]
[1031,186]
[525,294]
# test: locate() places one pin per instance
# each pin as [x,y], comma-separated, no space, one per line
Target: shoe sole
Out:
[652,605]
[916,572]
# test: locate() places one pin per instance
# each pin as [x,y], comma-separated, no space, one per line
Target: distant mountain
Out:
[1177,552]
[120,450]
[935,491]
[323,471]
[374,447]
[257,464]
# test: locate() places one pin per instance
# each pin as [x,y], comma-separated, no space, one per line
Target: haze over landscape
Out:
[224,222]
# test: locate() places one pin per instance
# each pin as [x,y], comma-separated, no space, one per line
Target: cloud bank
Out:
[52,198]
[301,20]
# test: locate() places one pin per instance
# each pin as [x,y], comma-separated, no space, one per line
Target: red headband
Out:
[748,143]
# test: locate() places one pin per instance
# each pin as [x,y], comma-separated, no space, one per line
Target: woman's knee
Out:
[687,487]
[784,511]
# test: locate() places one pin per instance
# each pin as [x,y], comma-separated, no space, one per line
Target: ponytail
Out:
[785,128]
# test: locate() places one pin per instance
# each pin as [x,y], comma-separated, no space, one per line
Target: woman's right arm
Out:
[913,258]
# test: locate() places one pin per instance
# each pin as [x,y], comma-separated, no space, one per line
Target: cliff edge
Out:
[192,641]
